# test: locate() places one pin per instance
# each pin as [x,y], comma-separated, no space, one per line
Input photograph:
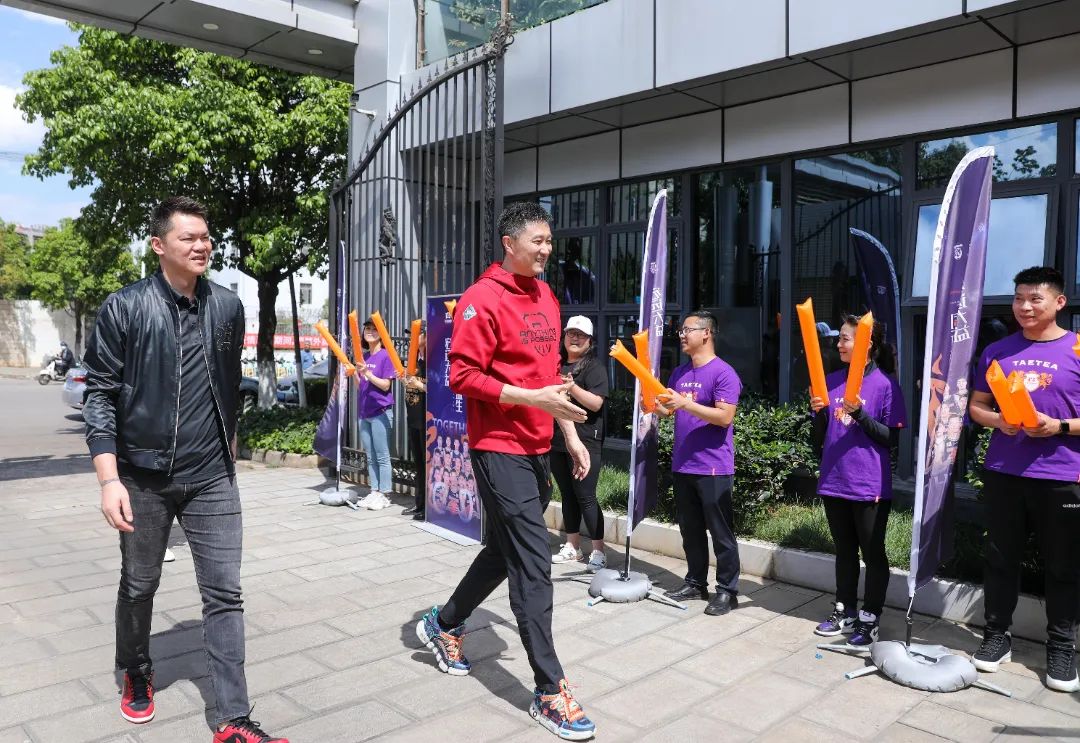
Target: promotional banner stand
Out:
[954,308]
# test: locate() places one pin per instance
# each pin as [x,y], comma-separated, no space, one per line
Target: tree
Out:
[141,120]
[68,272]
[14,264]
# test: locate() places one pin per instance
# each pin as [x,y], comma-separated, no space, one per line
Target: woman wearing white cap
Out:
[580,365]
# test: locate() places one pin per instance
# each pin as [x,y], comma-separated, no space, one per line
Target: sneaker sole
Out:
[991,666]
[841,631]
[554,729]
[421,635]
[138,720]
[1065,686]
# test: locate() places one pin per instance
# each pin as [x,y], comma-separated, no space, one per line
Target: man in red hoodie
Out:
[504,359]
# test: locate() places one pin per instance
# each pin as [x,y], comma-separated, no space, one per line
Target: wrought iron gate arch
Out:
[417,216]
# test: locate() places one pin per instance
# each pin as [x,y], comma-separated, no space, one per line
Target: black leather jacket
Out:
[132,400]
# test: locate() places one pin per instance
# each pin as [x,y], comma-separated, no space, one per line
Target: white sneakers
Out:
[567,553]
[597,561]
[374,501]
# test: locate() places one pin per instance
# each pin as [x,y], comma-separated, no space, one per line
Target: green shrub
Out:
[291,430]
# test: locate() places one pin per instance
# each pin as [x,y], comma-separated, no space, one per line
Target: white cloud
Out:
[40,18]
[15,134]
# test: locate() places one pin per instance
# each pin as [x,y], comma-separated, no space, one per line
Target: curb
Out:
[275,458]
[956,601]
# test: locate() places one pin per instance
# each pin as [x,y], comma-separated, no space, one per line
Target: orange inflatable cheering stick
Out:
[999,386]
[1076,348]
[859,354]
[376,317]
[650,386]
[641,348]
[813,350]
[335,349]
[414,347]
[1021,398]
[357,345]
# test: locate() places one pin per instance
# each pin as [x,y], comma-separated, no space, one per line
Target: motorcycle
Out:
[51,373]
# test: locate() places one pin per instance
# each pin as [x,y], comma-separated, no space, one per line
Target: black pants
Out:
[1014,507]
[859,526]
[418,447]
[515,490]
[579,496]
[704,505]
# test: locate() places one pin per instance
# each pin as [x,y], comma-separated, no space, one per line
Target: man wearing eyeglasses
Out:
[162,385]
[705,392]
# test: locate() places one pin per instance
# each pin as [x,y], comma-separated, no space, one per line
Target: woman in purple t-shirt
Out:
[375,404]
[855,485]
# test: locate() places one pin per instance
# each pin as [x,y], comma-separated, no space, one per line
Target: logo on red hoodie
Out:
[539,333]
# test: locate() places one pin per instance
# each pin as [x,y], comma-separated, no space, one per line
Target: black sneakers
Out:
[1061,667]
[996,649]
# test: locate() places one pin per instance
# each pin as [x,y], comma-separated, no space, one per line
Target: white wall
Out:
[30,334]
[248,290]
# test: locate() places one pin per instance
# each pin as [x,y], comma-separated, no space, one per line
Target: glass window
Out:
[305,294]
[1017,241]
[620,382]
[833,194]
[625,252]
[571,210]
[1022,153]
[572,270]
[630,202]
[1076,154]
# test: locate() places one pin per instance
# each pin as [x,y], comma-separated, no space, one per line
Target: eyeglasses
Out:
[687,331]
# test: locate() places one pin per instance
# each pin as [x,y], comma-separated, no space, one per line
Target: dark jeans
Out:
[418,447]
[209,513]
[704,507]
[1015,506]
[515,489]
[579,496]
[859,525]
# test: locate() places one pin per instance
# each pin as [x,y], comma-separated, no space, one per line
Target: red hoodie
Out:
[506,331]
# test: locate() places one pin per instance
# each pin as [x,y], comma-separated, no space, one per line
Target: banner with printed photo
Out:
[952,322]
[452,500]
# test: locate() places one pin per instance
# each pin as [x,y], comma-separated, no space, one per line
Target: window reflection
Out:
[573,209]
[572,270]
[625,253]
[631,202]
[1017,240]
[1022,153]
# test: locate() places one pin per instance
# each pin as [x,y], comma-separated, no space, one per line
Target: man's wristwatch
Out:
[1065,429]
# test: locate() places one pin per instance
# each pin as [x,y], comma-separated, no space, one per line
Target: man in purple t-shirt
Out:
[1032,478]
[705,392]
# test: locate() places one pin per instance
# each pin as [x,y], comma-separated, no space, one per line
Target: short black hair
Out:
[520,213]
[711,322]
[161,217]
[1038,275]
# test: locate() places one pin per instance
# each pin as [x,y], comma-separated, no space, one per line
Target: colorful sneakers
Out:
[137,699]
[446,644]
[840,622]
[864,631]
[996,648]
[597,562]
[567,553]
[245,730]
[561,714]
[1061,667]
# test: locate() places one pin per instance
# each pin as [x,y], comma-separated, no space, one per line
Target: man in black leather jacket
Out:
[162,381]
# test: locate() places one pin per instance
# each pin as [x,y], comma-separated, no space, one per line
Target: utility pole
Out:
[301,392]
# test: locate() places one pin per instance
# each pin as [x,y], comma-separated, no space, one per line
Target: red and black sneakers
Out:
[137,701]
[245,730]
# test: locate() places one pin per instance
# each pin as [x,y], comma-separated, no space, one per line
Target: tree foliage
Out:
[14,264]
[69,272]
[140,120]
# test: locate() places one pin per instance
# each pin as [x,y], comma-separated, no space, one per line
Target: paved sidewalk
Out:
[332,596]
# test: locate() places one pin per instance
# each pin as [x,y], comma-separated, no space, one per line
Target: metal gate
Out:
[418,214]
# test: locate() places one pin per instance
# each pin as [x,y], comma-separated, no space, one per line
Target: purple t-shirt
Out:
[1052,375]
[853,466]
[702,448]
[373,400]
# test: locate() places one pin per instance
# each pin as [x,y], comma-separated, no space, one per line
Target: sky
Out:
[26,40]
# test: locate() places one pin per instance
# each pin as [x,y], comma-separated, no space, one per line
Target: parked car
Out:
[314,385]
[74,386]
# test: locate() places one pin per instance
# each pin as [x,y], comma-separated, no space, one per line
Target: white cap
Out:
[580,322]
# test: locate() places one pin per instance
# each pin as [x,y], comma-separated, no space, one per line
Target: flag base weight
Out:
[619,588]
